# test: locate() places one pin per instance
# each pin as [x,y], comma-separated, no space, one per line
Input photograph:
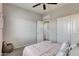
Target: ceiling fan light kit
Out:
[44,5]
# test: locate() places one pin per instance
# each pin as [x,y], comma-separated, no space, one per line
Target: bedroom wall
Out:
[19,26]
[1,28]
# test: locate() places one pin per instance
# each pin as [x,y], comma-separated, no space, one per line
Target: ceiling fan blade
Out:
[36,5]
[44,6]
[52,3]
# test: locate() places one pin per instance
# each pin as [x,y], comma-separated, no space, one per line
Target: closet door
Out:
[39,31]
[53,30]
[63,29]
[75,29]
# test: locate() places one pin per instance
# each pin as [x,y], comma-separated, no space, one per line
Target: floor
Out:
[16,52]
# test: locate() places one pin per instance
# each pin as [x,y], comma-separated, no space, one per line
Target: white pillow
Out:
[64,46]
[64,49]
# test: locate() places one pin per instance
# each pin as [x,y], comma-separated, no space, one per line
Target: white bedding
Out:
[64,50]
[45,48]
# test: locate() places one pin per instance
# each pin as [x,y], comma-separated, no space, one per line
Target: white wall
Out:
[1,27]
[19,26]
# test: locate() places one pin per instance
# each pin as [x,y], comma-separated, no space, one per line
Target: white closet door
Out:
[39,31]
[53,30]
[75,29]
[63,29]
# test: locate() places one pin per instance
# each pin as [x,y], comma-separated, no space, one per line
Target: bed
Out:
[74,51]
[45,48]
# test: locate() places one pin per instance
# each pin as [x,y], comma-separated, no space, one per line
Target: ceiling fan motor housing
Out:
[44,5]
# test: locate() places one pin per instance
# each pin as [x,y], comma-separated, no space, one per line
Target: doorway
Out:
[42,30]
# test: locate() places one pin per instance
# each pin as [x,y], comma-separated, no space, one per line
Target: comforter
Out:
[45,48]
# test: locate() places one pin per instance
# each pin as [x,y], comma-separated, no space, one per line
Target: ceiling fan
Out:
[44,5]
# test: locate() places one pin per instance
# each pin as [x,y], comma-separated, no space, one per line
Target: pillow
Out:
[72,46]
[65,45]
[64,49]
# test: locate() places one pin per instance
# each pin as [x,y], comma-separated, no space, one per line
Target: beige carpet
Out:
[16,52]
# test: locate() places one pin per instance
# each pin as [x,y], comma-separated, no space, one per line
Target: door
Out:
[75,29]
[53,30]
[40,31]
[63,29]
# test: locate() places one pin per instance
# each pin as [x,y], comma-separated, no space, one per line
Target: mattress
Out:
[45,48]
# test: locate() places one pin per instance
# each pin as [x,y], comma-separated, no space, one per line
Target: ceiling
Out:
[39,9]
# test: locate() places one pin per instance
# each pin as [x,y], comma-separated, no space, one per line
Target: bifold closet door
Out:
[75,29]
[39,31]
[53,30]
[63,29]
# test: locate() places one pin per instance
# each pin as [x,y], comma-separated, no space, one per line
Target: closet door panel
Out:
[63,29]
[75,29]
[39,31]
[53,30]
